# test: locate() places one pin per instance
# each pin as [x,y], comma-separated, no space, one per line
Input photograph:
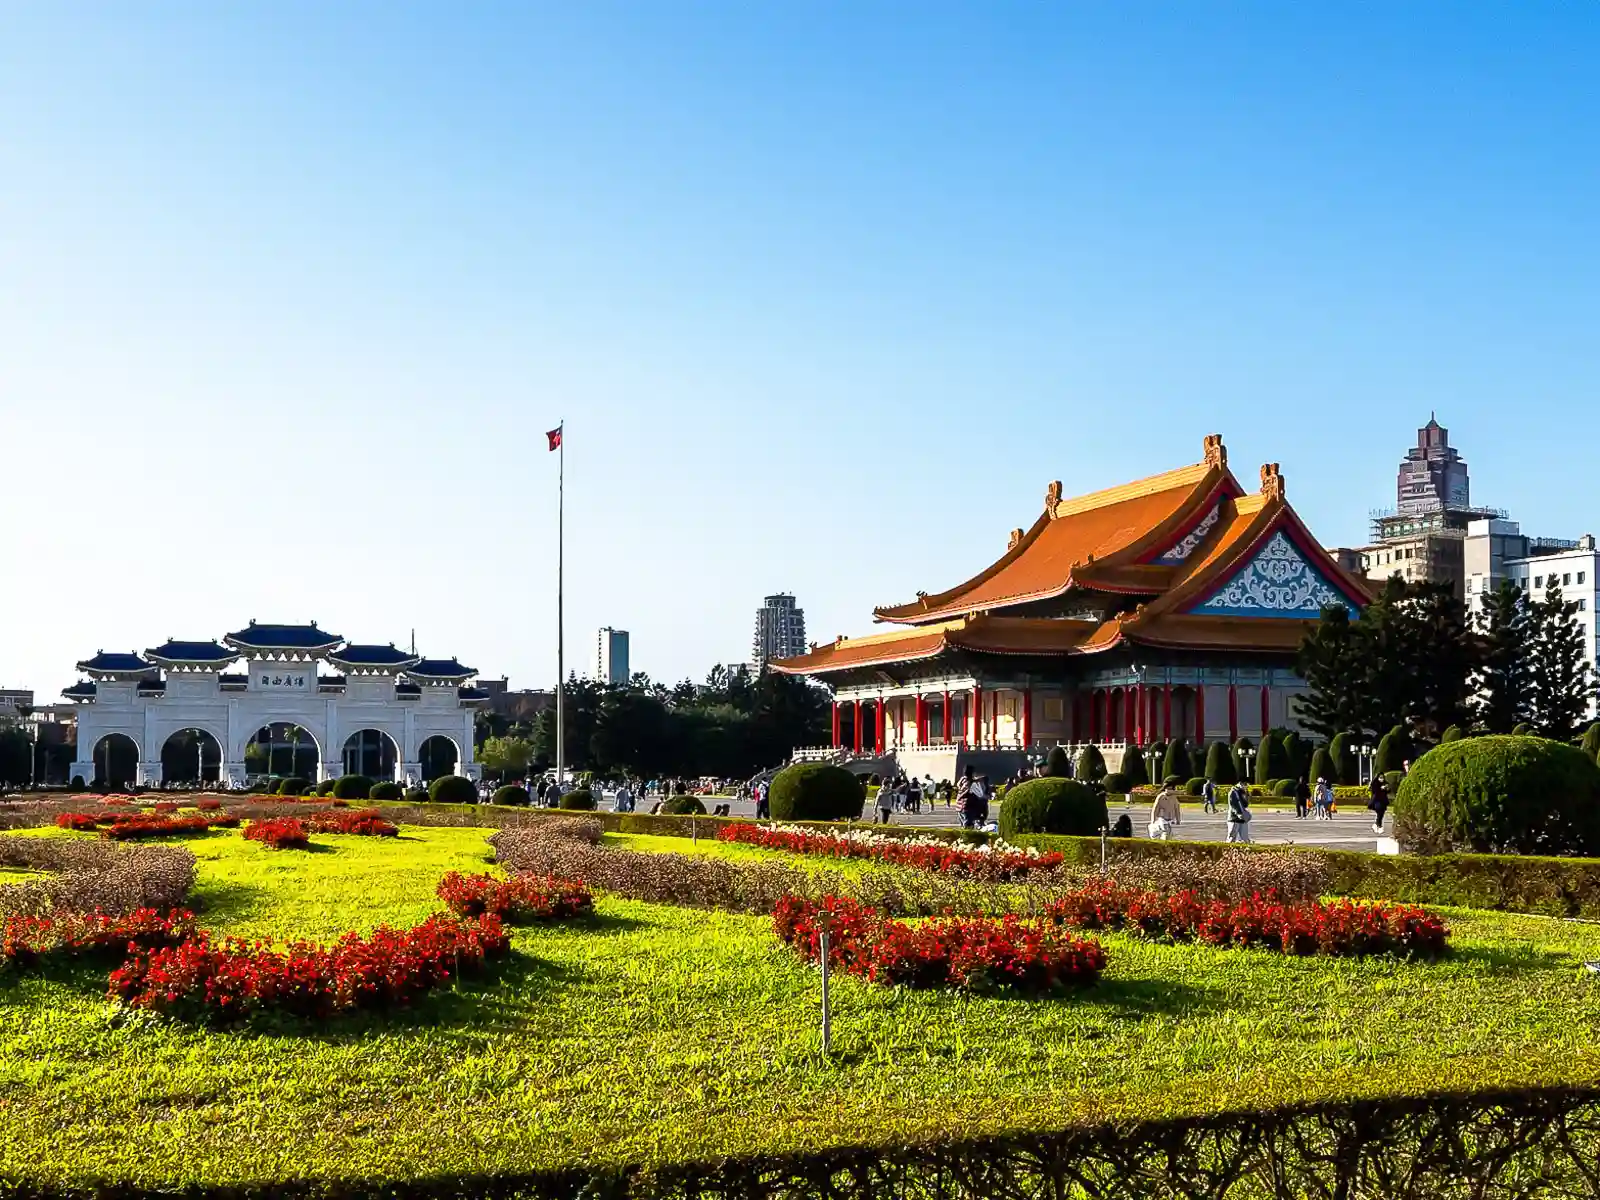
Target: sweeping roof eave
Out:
[1077,542]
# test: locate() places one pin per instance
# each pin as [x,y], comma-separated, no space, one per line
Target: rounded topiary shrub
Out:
[688,806]
[386,789]
[325,788]
[1591,741]
[416,794]
[1394,748]
[293,785]
[815,792]
[1321,767]
[1345,766]
[1219,763]
[1196,786]
[1284,788]
[352,787]
[1522,730]
[1116,783]
[582,800]
[1058,765]
[1091,764]
[1500,795]
[1133,768]
[453,789]
[1177,760]
[513,795]
[1053,806]
[1452,733]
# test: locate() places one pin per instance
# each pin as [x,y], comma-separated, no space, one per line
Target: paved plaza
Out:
[1350,829]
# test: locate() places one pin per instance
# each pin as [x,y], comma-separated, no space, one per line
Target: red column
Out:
[835,724]
[1166,711]
[1266,710]
[1200,715]
[977,714]
[878,746]
[1233,714]
[857,705]
[947,717]
[1027,717]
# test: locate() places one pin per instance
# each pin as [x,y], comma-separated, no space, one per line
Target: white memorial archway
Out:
[287,697]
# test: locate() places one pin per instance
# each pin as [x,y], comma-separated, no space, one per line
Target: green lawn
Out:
[658,1034]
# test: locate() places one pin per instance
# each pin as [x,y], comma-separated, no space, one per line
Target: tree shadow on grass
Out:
[228,901]
[1133,999]
[609,923]
[1511,958]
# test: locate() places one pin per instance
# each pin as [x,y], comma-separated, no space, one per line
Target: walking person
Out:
[1239,814]
[913,795]
[1379,802]
[1209,794]
[885,802]
[1166,813]
[1302,798]
[1324,800]
[963,792]
[978,798]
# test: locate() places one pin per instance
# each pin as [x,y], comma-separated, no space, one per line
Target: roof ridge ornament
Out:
[1271,481]
[1216,452]
[1016,538]
[1052,497]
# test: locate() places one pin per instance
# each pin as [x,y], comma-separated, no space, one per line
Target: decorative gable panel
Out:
[1278,581]
[1180,552]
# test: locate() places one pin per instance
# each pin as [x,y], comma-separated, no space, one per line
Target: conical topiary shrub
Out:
[1321,766]
[1238,751]
[1133,767]
[1091,764]
[1178,761]
[1219,764]
[1345,767]
[1452,734]
[1269,763]
[1057,765]
[1591,741]
[1394,749]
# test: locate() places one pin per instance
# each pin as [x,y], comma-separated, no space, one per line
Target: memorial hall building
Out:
[1169,607]
[273,700]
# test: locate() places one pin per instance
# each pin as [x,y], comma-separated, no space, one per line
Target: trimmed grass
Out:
[659,1034]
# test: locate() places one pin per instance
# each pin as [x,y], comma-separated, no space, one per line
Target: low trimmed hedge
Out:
[579,800]
[453,789]
[352,787]
[511,794]
[684,806]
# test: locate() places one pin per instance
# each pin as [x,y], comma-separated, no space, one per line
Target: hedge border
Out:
[1552,887]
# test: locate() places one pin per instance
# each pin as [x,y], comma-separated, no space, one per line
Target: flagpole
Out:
[561,663]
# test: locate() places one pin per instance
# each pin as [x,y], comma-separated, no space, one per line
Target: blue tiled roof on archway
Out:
[283,637]
[115,662]
[441,668]
[373,656]
[208,652]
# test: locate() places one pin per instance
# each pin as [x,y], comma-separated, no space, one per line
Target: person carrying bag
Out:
[1239,814]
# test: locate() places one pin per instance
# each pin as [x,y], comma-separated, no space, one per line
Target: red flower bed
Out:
[112,801]
[79,821]
[978,955]
[1344,928]
[366,822]
[165,806]
[279,833]
[519,898]
[143,825]
[235,978]
[207,804]
[928,854]
[23,940]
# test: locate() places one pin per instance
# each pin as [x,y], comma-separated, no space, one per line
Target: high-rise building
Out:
[1432,475]
[1421,538]
[611,656]
[780,630]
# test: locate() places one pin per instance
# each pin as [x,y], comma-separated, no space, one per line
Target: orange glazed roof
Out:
[1095,541]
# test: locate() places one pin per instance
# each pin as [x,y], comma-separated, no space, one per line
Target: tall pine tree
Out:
[1330,661]
[1503,681]
[1563,682]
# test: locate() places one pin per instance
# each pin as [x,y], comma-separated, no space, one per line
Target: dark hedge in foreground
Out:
[1524,1145]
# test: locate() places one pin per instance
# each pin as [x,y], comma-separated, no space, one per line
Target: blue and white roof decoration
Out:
[205,655]
[374,660]
[1279,580]
[1187,545]
[282,638]
[82,690]
[112,665]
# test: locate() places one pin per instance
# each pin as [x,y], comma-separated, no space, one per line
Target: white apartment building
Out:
[1497,550]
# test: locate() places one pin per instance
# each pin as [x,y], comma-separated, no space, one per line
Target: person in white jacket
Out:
[1166,813]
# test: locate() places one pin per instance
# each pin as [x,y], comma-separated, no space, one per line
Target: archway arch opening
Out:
[116,761]
[282,749]
[438,756]
[372,753]
[191,756]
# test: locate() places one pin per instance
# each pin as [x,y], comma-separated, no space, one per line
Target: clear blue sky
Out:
[827,293]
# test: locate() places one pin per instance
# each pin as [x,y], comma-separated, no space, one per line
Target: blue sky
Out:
[826,293]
